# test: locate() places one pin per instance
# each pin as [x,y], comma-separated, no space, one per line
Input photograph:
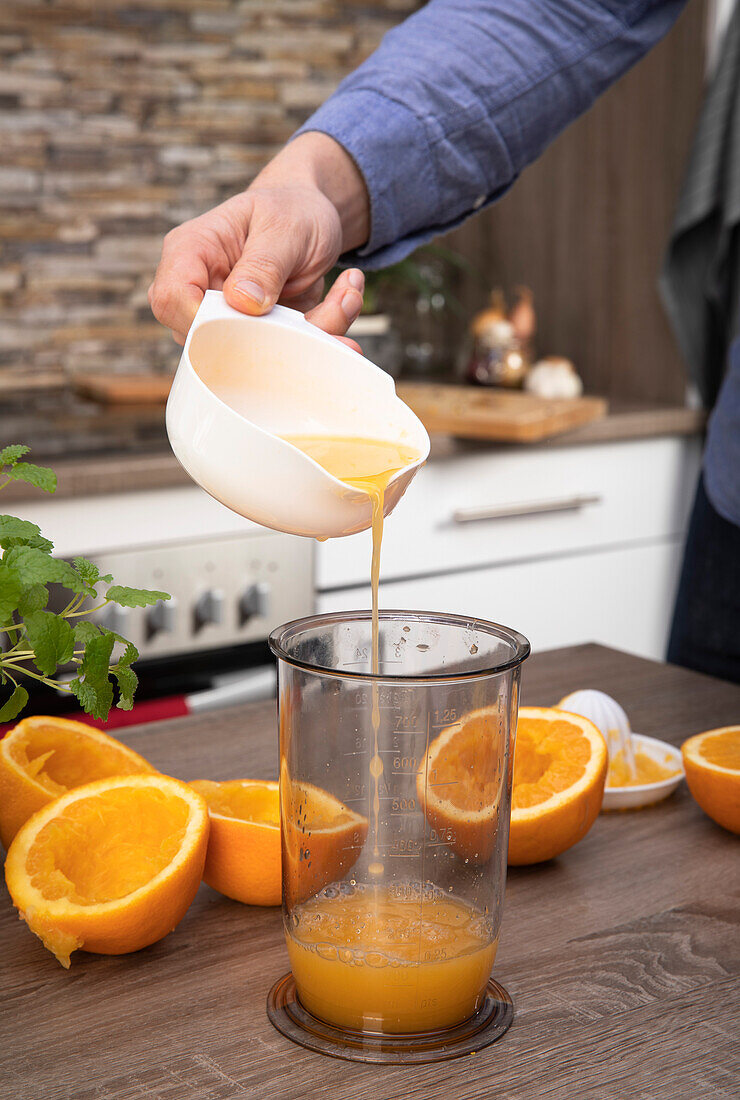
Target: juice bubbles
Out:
[394,959]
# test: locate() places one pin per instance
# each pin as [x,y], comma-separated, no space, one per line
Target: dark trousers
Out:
[705,634]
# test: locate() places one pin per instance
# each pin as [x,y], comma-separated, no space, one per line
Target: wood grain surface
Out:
[476,412]
[622,956]
[123,389]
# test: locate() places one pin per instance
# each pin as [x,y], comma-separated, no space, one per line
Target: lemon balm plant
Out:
[44,645]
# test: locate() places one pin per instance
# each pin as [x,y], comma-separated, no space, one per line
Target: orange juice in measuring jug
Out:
[395,959]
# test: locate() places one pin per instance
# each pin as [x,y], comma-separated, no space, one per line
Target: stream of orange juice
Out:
[367,465]
[405,958]
[390,959]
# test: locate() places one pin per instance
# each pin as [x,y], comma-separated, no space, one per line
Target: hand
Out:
[274,242]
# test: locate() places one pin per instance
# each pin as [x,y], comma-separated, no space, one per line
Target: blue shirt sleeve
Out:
[459,98]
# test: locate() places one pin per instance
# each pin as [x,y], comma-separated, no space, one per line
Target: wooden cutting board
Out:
[124,389]
[474,412]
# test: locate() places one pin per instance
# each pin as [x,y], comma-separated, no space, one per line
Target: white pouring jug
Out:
[242,382]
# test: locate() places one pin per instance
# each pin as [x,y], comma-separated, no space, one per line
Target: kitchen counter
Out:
[622,956]
[128,470]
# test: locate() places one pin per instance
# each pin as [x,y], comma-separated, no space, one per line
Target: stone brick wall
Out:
[122,118]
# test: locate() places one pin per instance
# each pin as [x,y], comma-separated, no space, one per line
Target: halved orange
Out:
[243,860]
[109,867]
[322,838]
[460,781]
[42,757]
[560,766]
[711,761]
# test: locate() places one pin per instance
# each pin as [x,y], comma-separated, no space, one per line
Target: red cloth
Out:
[150,710]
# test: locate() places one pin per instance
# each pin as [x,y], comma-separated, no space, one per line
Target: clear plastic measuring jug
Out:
[395,796]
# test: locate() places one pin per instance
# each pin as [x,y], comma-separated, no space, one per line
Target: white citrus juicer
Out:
[611,719]
[243,382]
[609,716]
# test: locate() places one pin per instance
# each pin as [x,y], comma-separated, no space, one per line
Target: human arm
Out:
[437,123]
[459,98]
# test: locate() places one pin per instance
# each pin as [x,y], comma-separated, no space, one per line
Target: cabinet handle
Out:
[528,508]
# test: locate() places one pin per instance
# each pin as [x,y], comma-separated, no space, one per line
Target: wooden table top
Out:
[622,957]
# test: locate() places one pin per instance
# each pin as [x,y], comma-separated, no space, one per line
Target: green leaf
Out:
[38,542]
[85,630]
[92,687]
[88,570]
[127,684]
[12,707]
[9,455]
[39,476]
[52,640]
[134,597]
[95,699]
[33,598]
[10,591]
[69,577]
[96,659]
[34,566]
[129,655]
[20,532]
[130,652]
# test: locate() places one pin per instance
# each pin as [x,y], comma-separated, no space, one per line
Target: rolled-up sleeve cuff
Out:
[379,132]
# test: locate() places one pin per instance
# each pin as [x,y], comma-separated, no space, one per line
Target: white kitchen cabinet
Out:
[108,522]
[622,598]
[604,569]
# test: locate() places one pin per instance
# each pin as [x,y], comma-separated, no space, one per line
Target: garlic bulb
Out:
[553,377]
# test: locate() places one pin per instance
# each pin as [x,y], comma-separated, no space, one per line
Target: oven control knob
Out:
[115,618]
[209,608]
[254,601]
[160,619]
